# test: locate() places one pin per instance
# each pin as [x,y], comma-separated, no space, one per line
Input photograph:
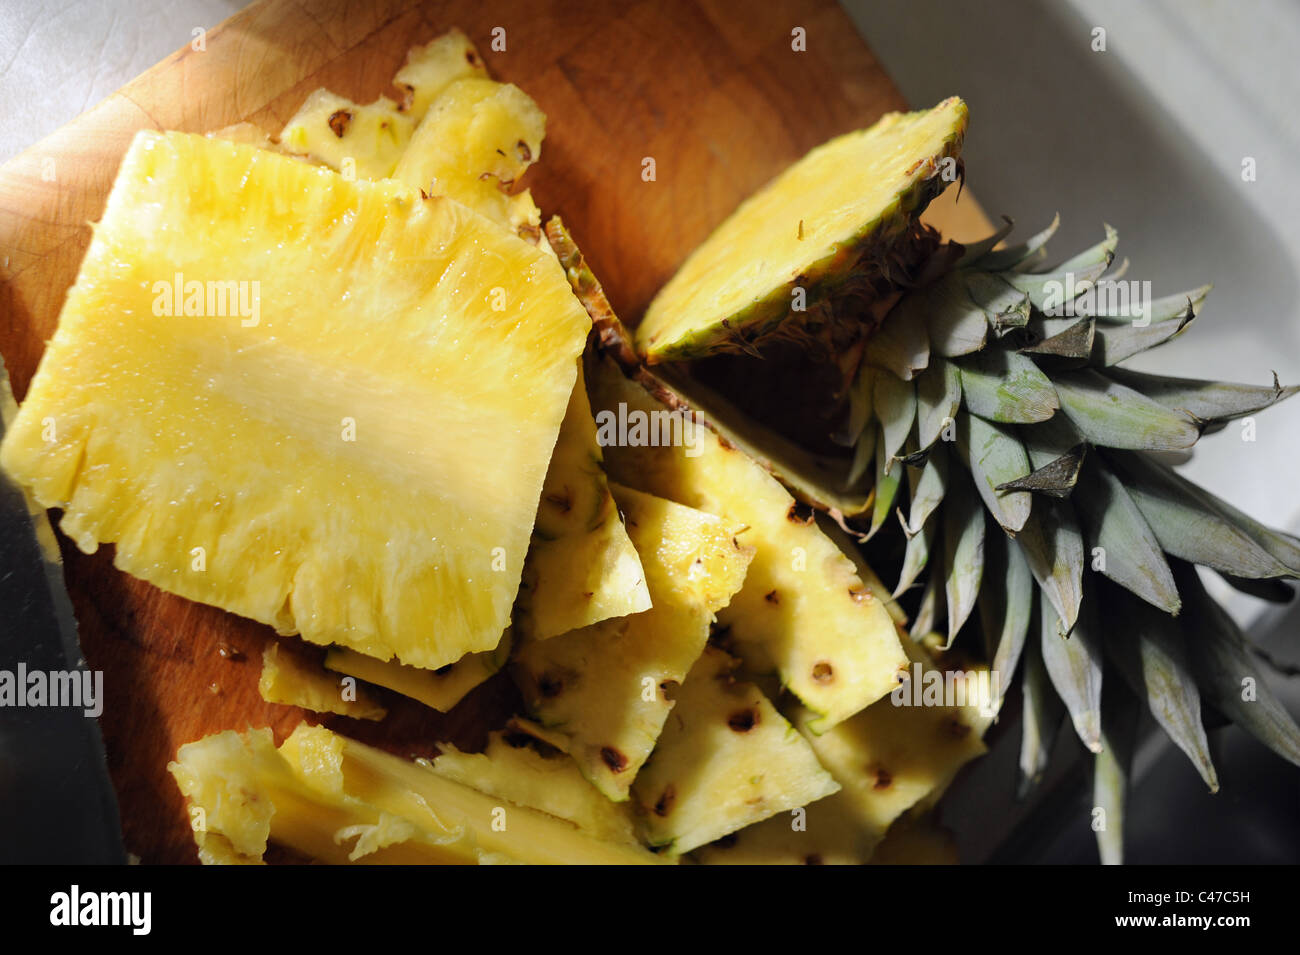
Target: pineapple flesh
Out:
[803,611]
[431,68]
[365,141]
[339,455]
[439,689]
[727,759]
[607,689]
[335,800]
[290,681]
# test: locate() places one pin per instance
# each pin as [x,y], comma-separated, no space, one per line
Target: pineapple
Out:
[803,611]
[336,800]
[889,758]
[288,680]
[481,136]
[1031,455]
[431,68]
[582,567]
[439,689]
[363,141]
[516,767]
[916,840]
[607,689]
[478,138]
[726,760]
[337,454]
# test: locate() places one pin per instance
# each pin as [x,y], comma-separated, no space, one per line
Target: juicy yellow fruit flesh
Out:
[551,784]
[431,68]
[803,611]
[357,454]
[365,141]
[813,209]
[582,567]
[606,688]
[477,139]
[337,800]
[286,679]
[438,689]
[726,759]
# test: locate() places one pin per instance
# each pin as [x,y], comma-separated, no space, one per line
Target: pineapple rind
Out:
[287,680]
[605,688]
[803,611]
[220,433]
[801,230]
[726,760]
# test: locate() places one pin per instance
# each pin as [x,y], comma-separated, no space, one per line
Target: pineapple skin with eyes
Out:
[324,463]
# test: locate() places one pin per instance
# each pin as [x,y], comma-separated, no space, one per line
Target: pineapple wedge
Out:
[361,141]
[431,68]
[803,612]
[726,760]
[289,681]
[607,689]
[336,800]
[513,767]
[582,567]
[439,689]
[338,454]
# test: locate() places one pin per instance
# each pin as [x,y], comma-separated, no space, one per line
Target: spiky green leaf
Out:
[994,455]
[1006,604]
[963,551]
[895,407]
[1112,768]
[1074,665]
[1004,386]
[1209,401]
[1026,253]
[1052,545]
[938,396]
[1114,416]
[1041,721]
[957,326]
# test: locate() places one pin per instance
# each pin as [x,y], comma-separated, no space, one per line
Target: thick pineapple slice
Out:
[726,759]
[607,689]
[335,451]
[431,68]
[513,767]
[288,680]
[439,689]
[803,612]
[852,195]
[582,567]
[364,141]
[336,800]
[478,138]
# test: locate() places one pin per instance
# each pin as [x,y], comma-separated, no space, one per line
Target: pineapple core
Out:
[347,442]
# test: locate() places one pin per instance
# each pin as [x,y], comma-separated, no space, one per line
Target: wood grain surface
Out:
[711,89]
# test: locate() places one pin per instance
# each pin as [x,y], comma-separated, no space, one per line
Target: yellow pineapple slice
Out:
[512,767]
[439,689]
[331,447]
[431,68]
[359,141]
[803,612]
[338,801]
[478,138]
[582,567]
[727,759]
[288,680]
[607,689]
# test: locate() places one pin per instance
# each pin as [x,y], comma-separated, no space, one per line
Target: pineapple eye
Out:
[339,120]
[615,760]
[664,804]
[742,721]
[823,672]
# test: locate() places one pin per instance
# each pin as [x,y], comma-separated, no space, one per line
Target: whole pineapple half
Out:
[983,399]
[340,458]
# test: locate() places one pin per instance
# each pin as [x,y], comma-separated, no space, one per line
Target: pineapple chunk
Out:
[829,833]
[439,689]
[916,840]
[476,141]
[288,680]
[513,768]
[607,688]
[343,457]
[803,612]
[726,760]
[582,567]
[431,68]
[362,141]
[320,791]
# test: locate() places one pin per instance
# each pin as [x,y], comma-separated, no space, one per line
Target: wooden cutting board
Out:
[712,90]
